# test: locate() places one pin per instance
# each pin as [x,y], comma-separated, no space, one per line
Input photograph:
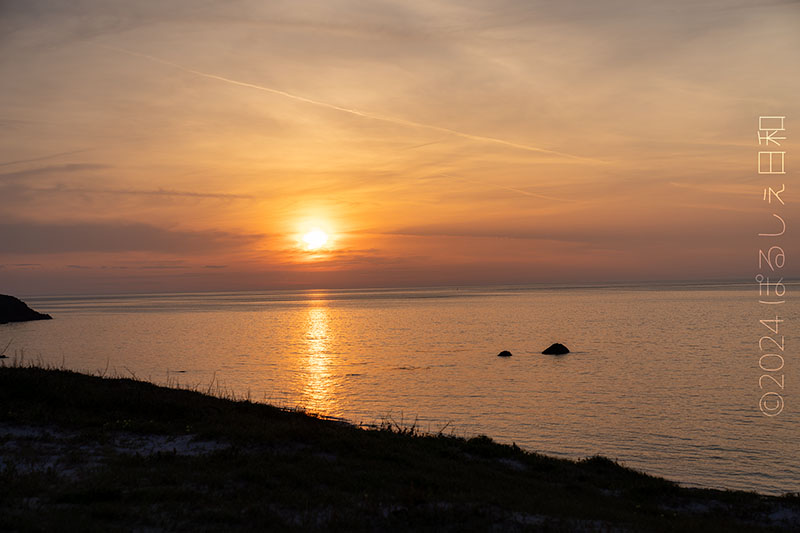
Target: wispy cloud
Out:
[41,158]
[142,192]
[516,190]
[357,112]
[112,236]
[51,169]
[628,235]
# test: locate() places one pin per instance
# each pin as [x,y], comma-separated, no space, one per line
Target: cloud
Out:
[358,112]
[142,192]
[62,198]
[50,169]
[40,158]
[629,234]
[112,236]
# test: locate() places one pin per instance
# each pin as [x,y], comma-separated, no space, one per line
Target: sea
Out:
[668,379]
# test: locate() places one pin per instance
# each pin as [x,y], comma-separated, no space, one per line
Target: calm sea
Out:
[664,379]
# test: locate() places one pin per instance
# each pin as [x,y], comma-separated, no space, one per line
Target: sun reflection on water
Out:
[318,393]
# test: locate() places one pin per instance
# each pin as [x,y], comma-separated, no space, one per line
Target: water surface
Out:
[664,379]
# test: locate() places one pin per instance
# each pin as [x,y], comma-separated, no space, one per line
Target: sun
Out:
[315,239]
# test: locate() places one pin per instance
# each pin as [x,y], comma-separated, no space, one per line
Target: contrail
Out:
[41,158]
[356,112]
[143,192]
[512,189]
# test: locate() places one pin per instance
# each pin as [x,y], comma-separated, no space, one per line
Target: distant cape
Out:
[15,310]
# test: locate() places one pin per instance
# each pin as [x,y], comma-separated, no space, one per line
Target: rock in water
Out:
[15,310]
[504,353]
[556,349]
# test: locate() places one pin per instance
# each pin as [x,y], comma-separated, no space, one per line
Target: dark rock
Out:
[556,349]
[15,310]
[504,353]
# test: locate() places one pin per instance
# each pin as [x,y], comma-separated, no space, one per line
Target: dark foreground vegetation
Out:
[86,453]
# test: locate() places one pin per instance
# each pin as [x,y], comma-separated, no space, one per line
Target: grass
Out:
[281,469]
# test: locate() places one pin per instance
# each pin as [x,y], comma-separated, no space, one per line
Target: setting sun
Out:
[315,239]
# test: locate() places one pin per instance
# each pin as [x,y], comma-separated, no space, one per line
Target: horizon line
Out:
[520,285]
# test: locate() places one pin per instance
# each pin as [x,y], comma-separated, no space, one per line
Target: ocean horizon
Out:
[654,284]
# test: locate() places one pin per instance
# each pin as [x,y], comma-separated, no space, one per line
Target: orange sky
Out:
[188,147]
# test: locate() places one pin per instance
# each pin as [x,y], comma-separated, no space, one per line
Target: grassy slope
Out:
[286,469]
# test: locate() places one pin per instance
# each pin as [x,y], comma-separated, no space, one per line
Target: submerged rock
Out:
[15,310]
[556,349]
[504,353]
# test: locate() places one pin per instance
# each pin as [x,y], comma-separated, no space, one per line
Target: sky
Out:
[157,146]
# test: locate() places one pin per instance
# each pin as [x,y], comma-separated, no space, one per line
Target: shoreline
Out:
[116,453]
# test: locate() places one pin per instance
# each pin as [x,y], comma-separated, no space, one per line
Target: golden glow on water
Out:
[317,393]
